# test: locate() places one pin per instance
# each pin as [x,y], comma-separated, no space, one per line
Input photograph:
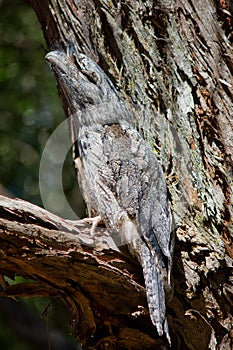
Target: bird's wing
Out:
[125,178]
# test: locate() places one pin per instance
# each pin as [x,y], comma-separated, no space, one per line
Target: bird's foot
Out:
[93,221]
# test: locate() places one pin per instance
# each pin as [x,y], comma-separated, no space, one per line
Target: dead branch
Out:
[96,280]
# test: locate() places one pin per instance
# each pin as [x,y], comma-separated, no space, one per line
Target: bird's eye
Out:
[95,77]
[74,59]
[92,76]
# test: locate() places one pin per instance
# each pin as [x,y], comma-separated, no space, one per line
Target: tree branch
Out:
[91,275]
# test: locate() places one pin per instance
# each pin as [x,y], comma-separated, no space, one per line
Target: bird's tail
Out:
[155,292]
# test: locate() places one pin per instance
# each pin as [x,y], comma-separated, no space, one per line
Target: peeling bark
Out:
[172,64]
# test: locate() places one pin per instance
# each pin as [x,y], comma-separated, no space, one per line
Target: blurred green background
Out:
[29,111]
[30,108]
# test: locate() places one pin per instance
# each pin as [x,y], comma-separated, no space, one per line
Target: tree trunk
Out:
[172,64]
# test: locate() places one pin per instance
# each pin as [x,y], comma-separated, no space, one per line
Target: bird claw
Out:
[94,221]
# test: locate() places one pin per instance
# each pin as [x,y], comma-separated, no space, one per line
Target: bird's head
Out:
[83,82]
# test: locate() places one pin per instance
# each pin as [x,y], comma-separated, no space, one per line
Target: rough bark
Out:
[101,285]
[172,64]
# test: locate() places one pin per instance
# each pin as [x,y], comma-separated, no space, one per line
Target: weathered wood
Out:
[94,280]
[172,64]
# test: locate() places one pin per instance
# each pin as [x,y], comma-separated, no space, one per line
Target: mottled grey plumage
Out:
[121,179]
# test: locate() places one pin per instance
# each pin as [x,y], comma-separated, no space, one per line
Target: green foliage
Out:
[30,110]
[29,105]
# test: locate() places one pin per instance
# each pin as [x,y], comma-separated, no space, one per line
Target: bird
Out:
[121,179]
